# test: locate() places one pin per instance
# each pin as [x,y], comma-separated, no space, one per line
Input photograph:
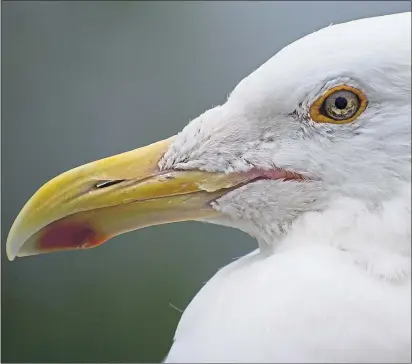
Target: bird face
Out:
[327,116]
[338,116]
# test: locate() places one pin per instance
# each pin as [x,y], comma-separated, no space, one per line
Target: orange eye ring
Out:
[316,109]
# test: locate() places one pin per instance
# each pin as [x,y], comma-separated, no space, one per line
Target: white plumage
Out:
[331,282]
[310,302]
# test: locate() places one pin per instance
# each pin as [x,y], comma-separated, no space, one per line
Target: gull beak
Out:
[88,205]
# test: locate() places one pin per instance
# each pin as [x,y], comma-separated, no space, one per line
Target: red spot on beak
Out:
[64,235]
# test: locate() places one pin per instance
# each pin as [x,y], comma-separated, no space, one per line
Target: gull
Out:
[311,156]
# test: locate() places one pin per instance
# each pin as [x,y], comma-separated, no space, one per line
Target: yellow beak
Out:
[88,205]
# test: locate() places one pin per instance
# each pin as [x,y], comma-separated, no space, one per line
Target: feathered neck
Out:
[376,239]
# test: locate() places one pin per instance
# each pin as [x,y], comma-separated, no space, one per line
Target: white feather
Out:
[332,280]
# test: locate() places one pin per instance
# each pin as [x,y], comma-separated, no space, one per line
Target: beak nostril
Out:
[103,184]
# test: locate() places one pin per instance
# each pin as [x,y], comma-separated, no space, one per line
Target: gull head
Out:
[329,116]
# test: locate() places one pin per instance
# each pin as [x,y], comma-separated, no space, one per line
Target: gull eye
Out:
[339,105]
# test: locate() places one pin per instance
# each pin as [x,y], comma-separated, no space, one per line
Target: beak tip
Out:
[9,252]
[17,247]
[23,251]
[15,239]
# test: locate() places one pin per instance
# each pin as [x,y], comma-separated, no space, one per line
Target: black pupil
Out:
[341,102]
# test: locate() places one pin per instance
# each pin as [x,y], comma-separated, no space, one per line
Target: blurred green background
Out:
[84,80]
